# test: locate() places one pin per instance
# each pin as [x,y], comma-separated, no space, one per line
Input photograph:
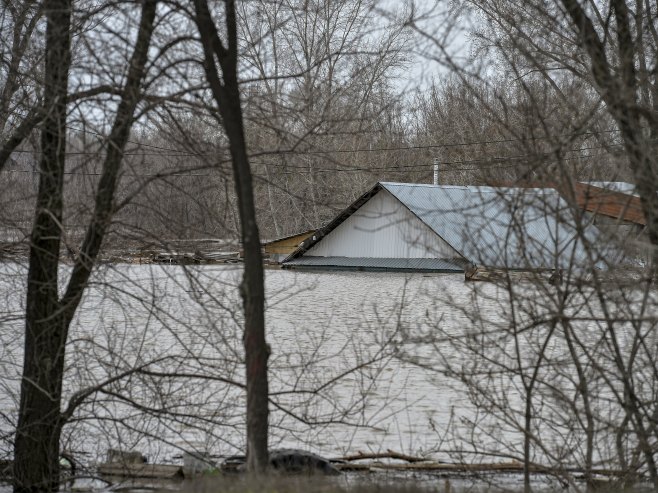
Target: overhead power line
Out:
[491,163]
[295,151]
[175,153]
[497,162]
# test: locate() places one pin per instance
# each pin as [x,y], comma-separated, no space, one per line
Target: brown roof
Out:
[597,200]
[616,205]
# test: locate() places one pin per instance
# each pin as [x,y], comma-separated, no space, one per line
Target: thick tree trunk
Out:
[36,449]
[253,299]
[227,95]
[36,446]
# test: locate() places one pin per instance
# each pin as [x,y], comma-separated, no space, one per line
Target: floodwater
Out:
[337,386]
[342,379]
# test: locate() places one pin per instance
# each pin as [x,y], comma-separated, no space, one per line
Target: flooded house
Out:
[446,228]
[614,205]
[616,210]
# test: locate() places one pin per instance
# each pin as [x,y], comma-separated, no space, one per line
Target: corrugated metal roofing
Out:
[517,228]
[612,199]
[500,227]
[383,228]
[399,264]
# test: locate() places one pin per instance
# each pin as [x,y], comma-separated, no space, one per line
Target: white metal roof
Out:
[510,227]
[502,227]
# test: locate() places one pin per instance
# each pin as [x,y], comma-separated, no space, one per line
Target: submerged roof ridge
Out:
[430,185]
[475,188]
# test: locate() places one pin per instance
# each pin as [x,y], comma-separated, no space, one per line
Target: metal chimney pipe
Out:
[436,170]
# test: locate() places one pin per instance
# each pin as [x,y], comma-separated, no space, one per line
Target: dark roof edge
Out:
[340,218]
[333,268]
[275,240]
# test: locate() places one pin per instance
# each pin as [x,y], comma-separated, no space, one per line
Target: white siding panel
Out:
[383,228]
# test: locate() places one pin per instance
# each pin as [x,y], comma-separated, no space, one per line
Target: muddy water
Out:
[336,384]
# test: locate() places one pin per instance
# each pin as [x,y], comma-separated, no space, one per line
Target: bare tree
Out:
[501,131]
[552,369]
[610,49]
[36,463]
[221,63]
[19,96]
[36,455]
[620,55]
[317,78]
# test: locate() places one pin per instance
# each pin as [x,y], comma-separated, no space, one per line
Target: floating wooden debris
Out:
[421,464]
[132,464]
[389,454]
[195,258]
[150,471]
[479,273]
[13,249]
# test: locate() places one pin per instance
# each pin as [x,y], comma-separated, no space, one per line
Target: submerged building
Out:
[440,228]
[278,249]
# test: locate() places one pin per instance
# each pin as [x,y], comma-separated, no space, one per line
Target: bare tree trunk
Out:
[19,134]
[26,16]
[36,448]
[227,96]
[104,206]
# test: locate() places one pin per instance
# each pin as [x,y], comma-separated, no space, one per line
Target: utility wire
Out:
[179,152]
[493,163]
[497,162]
[261,154]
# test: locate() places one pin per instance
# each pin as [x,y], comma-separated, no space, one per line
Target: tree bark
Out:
[36,447]
[226,92]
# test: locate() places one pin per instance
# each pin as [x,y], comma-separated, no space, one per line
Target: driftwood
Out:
[459,468]
[151,471]
[125,457]
[389,454]
[445,467]
[127,465]
[489,274]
